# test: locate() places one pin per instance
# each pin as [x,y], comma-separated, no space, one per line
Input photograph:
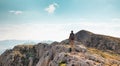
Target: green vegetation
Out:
[30,54]
[62,63]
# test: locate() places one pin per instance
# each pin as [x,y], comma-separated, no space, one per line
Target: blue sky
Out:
[53,19]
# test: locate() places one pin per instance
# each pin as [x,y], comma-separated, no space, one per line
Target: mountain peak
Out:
[98,41]
[84,32]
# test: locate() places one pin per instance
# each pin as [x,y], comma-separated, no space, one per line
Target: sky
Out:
[54,19]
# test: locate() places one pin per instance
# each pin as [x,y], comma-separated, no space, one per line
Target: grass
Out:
[29,46]
[17,53]
[63,64]
[105,55]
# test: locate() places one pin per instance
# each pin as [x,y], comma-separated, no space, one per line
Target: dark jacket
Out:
[71,37]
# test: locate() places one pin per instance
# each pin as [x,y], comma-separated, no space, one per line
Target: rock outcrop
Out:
[53,55]
[100,42]
[59,54]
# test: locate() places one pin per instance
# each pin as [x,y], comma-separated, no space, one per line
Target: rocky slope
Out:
[59,54]
[101,42]
[56,54]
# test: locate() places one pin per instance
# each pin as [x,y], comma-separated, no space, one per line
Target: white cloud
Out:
[16,12]
[51,8]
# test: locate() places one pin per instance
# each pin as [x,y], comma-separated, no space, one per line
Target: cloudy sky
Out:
[54,19]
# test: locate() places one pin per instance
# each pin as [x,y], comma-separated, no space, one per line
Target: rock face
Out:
[52,55]
[101,42]
[19,56]
[59,54]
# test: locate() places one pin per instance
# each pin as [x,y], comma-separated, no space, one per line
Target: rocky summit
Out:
[98,41]
[101,42]
[90,50]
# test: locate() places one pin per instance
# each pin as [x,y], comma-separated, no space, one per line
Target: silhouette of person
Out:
[71,40]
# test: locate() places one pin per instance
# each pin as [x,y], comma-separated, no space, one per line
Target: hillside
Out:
[101,42]
[87,52]
[57,55]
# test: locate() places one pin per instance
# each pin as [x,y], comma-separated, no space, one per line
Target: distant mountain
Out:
[47,41]
[8,44]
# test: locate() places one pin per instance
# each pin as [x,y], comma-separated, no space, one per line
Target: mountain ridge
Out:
[9,44]
[98,41]
[59,53]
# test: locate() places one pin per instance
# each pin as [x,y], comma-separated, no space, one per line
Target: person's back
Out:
[71,36]
[71,40]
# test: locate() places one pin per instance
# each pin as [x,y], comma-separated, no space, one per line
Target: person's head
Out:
[71,31]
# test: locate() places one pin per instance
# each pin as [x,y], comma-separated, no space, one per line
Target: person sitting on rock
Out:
[71,40]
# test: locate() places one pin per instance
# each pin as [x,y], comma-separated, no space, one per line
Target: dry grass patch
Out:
[17,53]
[105,55]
